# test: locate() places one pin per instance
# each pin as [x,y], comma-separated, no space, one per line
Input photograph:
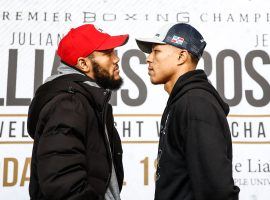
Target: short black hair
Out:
[194,58]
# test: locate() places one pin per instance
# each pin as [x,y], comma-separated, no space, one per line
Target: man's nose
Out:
[115,57]
[149,58]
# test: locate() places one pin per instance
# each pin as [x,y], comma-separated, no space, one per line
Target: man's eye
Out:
[107,52]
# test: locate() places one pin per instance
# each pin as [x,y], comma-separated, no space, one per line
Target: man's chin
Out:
[117,83]
[112,84]
[153,81]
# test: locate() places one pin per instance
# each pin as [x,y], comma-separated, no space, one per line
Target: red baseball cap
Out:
[83,40]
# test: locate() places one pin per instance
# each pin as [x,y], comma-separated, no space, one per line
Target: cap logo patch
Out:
[157,35]
[98,29]
[177,40]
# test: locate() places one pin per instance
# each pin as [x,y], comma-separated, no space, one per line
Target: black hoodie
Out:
[195,148]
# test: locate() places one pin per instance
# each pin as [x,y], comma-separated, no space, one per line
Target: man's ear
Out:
[182,57]
[84,65]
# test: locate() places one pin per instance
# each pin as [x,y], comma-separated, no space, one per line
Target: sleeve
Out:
[208,163]
[61,153]
[118,155]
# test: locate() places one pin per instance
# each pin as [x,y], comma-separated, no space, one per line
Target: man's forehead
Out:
[107,50]
[155,45]
[103,51]
[164,46]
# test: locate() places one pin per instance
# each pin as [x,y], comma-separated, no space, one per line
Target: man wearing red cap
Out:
[77,152]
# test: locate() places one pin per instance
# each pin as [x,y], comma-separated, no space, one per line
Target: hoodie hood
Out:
[196,79]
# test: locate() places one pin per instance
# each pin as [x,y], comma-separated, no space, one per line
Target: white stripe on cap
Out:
[159,36]
[163,31]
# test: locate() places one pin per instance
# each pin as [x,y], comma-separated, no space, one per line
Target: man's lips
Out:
[150,69]
[116,68]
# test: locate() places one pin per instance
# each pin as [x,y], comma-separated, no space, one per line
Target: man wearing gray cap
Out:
[195,148]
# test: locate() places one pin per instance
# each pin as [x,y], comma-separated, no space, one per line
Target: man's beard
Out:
[104,79]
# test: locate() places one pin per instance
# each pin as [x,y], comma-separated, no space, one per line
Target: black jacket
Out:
[71,159]
[195,148]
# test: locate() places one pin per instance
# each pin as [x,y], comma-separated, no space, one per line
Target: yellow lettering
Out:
[25,169]
[6,182]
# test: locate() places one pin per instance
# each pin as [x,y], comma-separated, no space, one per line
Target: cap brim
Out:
[114,41]
[145,44]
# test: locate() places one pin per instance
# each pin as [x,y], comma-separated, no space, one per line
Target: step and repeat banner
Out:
[236,60]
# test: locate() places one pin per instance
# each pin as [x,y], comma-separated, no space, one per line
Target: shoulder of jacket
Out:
[193,102]
[68,101]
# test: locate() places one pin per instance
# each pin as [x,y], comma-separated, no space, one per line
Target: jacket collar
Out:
[100,95]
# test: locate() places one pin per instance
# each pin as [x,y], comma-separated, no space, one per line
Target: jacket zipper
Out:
[107,95]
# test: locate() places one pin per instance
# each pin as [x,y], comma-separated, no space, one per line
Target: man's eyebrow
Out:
[153,46]
[107,51]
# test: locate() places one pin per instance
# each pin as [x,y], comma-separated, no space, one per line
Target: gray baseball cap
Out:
[181,35]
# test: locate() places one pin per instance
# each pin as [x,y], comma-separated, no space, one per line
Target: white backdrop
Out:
[236,61]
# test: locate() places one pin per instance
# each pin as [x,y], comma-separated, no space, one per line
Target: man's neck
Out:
[170,84]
